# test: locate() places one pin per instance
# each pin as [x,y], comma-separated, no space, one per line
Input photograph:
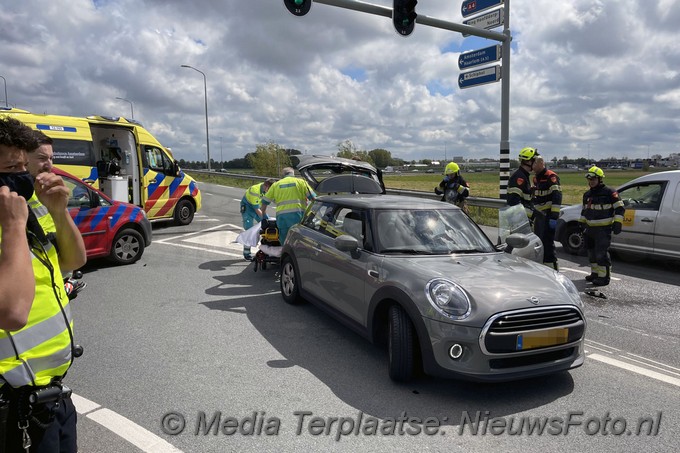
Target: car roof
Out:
[378,201]
[672,175]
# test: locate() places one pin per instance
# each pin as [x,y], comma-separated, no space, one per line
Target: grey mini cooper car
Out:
[420,277]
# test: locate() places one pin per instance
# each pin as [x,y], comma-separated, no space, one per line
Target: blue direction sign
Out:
[479,77]
[488,21]
[470,7]
[479,57]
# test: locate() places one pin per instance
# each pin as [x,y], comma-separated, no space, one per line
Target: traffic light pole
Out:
[504,38]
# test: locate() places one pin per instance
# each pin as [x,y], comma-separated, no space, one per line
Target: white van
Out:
[651,224]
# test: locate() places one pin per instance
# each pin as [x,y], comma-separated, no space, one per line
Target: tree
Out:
[381,157]
[348,150]
[269,159]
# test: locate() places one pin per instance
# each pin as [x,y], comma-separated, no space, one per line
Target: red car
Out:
[113,229]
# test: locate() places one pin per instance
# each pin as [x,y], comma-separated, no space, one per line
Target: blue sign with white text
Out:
[479,57]
[479,77]
[470,7]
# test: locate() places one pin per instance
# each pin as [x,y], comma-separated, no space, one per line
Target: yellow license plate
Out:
[542,338]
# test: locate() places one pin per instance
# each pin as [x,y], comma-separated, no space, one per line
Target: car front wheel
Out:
[184,212]
[127,247]
[290,282]
[401,345]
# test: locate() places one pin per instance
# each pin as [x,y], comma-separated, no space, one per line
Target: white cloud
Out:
[584,73]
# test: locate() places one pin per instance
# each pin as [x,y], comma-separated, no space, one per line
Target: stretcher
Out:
[270,247]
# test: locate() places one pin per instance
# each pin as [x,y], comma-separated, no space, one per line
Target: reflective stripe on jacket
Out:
[290,195]
[519,190]
[548,193]
[43,345]
[601,207]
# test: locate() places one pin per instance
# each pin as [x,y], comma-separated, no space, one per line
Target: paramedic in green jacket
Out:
[250,209]
[291,195]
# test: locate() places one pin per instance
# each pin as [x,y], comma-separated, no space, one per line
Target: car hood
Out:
[494,282]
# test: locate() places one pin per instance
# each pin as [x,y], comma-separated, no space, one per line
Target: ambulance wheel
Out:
[290,290]
[127,247]
[184,212]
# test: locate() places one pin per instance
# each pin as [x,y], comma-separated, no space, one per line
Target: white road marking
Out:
[214,239]
[140,437]
[579,271]
[636,369]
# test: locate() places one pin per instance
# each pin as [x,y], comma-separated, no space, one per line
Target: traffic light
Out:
[298,7]
[404,16]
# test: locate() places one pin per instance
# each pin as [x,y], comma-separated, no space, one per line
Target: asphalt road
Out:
[191,329]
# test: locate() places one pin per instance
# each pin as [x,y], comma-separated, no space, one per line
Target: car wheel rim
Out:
[288,279]
[126,248]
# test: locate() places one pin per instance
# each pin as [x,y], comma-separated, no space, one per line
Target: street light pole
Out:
[205,90]
[4,80]
[132,109]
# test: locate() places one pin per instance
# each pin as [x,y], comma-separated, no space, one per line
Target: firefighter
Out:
[602,215]
[250,209]
[291,195]
[519,185]
[36,336]
[547,199]
[453,188]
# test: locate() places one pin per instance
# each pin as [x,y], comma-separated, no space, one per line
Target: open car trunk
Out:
[331,175]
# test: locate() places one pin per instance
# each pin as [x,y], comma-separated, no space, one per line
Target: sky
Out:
[589,78]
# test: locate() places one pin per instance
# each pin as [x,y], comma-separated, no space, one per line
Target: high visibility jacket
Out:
[602,207]
[40,350]
[547,193]
[290,195]
[251,200]
[45,220]
[519,191]
[455,188]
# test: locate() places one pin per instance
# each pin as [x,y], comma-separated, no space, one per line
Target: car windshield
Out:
[429,232]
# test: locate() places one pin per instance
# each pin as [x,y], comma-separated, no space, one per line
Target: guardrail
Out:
[479,202]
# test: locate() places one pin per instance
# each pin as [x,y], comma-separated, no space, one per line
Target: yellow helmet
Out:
[594,172]
[451,168]
[528,153]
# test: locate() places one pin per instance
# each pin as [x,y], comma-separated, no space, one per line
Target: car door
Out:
[85,207]
[340,276]
[642,202]
[667,232]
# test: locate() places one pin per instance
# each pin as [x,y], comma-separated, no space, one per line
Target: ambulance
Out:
[122,159]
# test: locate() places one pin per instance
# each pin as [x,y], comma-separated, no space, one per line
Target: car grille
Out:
[503,333]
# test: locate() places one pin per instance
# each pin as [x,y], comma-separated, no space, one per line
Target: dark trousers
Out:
[598,240]
[547,236]
[57,435]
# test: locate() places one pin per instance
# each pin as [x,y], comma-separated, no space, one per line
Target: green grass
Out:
[486,184]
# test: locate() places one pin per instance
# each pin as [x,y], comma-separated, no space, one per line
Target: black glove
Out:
[616,227]
[437,191]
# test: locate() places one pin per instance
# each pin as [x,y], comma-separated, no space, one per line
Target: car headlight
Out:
[448,298]
[571,289]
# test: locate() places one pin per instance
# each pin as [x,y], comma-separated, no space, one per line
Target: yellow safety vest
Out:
[254,194]
[290,195]
[41,350]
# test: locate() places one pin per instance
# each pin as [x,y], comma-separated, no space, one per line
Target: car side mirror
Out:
[517,240]
[347,243]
